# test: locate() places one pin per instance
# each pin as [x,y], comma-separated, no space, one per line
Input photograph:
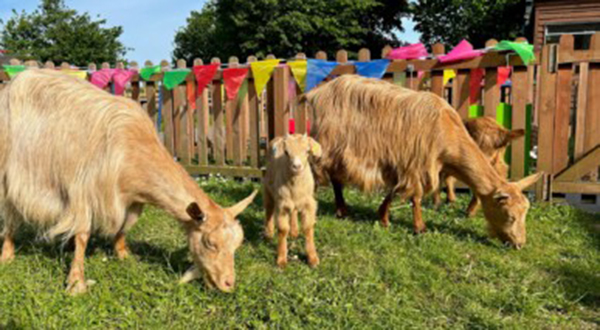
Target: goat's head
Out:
[294,152]
[506,209]
[214,235]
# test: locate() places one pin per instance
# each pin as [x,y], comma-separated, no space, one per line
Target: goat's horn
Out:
[242,205]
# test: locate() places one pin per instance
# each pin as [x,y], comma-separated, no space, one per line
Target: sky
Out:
[148,25]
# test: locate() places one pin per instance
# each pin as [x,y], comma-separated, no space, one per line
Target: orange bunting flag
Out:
[233,79]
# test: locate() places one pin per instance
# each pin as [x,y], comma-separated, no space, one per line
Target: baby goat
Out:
[288,188]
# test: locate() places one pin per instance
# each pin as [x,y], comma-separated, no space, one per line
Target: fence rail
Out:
[209,133]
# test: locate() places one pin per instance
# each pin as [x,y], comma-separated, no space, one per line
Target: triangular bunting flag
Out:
[262,71]
[13,70]
[299,72]
[448,74]
[204,75]
[410,52]
[120,79]
[317,71]
[174,77]
[503,74]
[75,73]
[463,51]
[372,69]
[147,72]
[102,77]
[524,49]
[233,79]
[475,84]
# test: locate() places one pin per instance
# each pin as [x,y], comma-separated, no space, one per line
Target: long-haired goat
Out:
[493,140]
[77,160]
[376,134]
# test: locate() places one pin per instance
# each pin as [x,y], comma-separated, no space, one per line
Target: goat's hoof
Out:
[385,223]
[341,213]
[122,254]
[421,230]
[282,263]
[76,288]
[313,262]
[6,259]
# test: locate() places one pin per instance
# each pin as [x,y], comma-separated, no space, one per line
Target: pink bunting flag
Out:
[120,78]
[233,79]
[463,51]
[409,52]
[102,77]
[503,73]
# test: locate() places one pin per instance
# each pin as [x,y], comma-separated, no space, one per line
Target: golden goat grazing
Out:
[288,189]
[77,160]
[376,134]
[493,140]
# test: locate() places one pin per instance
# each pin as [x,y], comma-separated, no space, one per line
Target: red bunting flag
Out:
[233,79]
[503,73]
[475,85]
[204,74]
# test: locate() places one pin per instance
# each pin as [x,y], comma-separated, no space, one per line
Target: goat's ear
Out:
[315,148]
[277,147]
[193,210]
[528,181]
[506,137]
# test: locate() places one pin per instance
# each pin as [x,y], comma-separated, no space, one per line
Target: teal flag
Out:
[175,77]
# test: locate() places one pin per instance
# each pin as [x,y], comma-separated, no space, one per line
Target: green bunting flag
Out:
[146,73]
[12,70]
[175,77]
[524,50]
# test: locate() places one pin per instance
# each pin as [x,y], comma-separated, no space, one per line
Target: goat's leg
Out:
[473,207]
[133,213]
[437,197]
[309,219]
[419,225]
[76,280]
[269,210]
[294,224]
[191,274]
[8,246]
[340,204]
[451,195]
[384,209]
[283,229]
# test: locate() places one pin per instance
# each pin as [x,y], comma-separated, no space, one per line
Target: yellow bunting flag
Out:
[76,73]
[299,72]
[448,74]
[262,71]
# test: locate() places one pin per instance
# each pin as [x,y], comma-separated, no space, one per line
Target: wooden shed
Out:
[553,18]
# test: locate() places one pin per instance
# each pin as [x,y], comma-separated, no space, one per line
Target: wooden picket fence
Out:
[210,134]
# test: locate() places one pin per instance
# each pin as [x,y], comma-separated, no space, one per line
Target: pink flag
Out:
[121,77]
[409,52]
[463,51]
[102,77]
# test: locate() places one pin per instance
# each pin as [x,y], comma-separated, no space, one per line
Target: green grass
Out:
[369,277]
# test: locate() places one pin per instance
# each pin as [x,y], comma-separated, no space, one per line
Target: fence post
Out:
[167,109]
[255,121]
[547,106]
[135,85]
[280,88]
[231,134]
[150,94]
[437,76]
[218,130]
[491,97]
[302,115]
[520,88]
[203,122]
[592,116]
[563,107]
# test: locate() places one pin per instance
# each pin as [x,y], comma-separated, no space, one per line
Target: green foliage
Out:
[450,21]
[285,27]
[370,277]
[57,33]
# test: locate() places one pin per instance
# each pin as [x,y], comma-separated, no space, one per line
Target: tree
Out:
[450,21]
[57,33]
[285,27]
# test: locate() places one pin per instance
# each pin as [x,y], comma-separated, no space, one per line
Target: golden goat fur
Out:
[375,134]
[76,160]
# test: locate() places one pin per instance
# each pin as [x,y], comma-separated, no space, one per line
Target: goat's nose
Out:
[229,283]
[296,165]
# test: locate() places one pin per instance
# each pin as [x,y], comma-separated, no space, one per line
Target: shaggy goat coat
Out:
[68,159]
[374,134]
